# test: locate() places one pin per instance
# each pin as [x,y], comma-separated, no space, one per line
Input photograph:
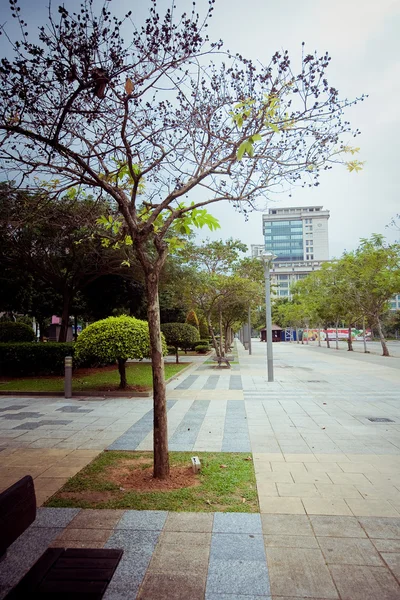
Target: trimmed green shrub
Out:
[202,349]
[11,331]
[192,319]
[202,343]
[29,358]
[180,335]
[115,339]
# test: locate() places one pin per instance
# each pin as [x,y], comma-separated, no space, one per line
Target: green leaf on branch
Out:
[355,165]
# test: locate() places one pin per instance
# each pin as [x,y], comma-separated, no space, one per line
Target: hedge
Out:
[11,331]
[31,358]
[202,349]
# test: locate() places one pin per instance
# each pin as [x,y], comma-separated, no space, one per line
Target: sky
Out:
[363,39]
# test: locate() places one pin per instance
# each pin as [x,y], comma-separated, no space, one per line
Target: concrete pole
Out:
[249,321]
[270,364]
[68,377]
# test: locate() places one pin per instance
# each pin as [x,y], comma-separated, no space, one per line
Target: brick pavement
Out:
[328,479]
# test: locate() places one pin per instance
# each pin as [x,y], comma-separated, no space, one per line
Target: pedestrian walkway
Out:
[325,438]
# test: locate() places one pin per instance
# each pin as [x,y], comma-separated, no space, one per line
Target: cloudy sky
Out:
[363,39]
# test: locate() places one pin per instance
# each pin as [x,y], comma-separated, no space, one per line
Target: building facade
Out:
[298,236]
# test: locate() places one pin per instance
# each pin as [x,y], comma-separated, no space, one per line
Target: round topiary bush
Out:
[11,331]
[115,339]
[180,335]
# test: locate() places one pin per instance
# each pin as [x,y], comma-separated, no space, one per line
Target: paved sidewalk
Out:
[325,437]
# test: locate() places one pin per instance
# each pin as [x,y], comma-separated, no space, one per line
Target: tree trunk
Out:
[221,341]
[40,323]
[297,335]
[328,345]
[364,338]
[337,336]
[349,340]
[122,373]
[67,299]
[212,336]
[227,338]
[176,355]
[319,337]
[160,443]
[385,351]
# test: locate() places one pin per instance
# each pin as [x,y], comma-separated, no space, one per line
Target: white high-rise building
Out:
[298,236]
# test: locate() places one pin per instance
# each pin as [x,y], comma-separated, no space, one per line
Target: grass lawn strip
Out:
[139,376]
[225,483]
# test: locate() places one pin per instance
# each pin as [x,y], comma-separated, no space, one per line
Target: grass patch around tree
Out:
[123,480]
[139,377]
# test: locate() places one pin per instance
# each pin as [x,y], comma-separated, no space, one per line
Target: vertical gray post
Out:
[270,364]
[68,377]
[249,321]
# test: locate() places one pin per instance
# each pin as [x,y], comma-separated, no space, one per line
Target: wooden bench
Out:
[60,573]
[223,360]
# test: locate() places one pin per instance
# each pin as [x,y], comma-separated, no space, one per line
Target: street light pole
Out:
[249,327]
[268,257]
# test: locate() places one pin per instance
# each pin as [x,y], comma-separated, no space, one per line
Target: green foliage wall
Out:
[30,358]
[11,331]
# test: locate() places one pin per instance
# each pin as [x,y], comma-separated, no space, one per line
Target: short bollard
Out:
[68,377]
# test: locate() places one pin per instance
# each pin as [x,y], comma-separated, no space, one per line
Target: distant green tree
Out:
[180,335]
[191,319]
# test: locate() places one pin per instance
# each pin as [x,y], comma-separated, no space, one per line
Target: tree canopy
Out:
[146,122]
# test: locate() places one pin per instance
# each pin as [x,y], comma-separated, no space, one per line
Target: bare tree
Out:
[149,121]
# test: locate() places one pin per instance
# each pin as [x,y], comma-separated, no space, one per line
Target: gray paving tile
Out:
[13,407]
[299,572]
[187,382]
[237,523]
[138,549]
[237,546]
[211,382]
[54,517]
[174,586]
[393,561]
[238,577]
[147,520]
[74,409]
[121,592]
[23,553]
[54,422]
[235,382]
[238,597]
[365,583]
[22,415]
[349,551]
[236,433]
[292,525]
[381,527]
[337,526]
[28,426]
[131,438]
[189,522]
[187,431]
